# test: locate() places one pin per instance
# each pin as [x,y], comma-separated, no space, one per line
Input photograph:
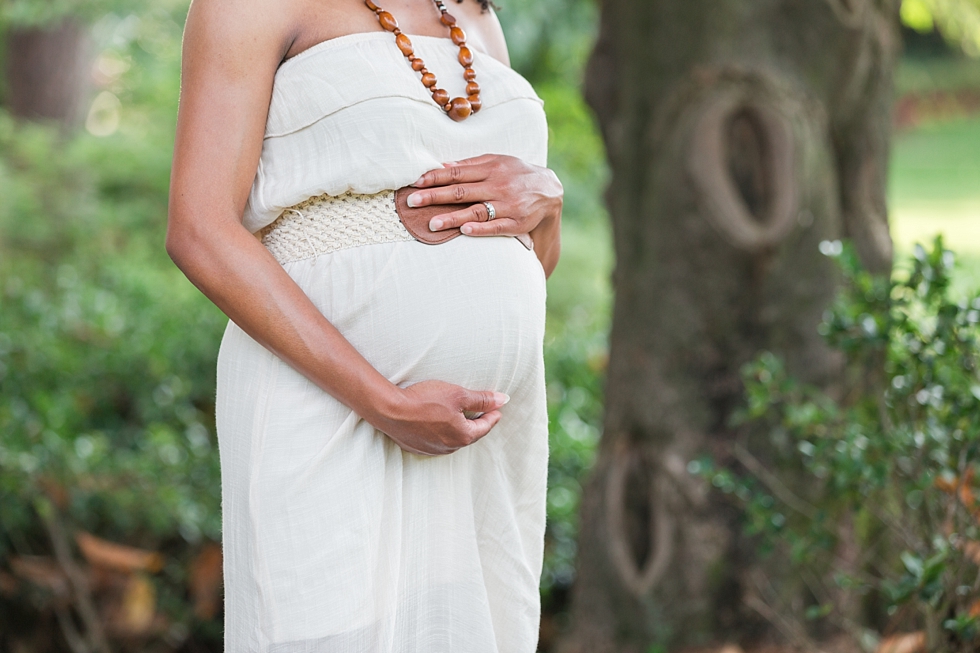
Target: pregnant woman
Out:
[381,407]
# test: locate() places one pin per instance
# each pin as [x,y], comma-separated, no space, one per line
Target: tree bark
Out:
[741,134]
[48,72]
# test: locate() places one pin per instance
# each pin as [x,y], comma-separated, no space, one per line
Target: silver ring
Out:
[491,213]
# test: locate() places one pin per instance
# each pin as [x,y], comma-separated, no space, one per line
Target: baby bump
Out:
[469,311]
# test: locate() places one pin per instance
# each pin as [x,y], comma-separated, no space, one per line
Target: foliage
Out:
[549,40]
[957,20]
[888,464]
[576,350]
[30,13]
[575,360]
[106,351]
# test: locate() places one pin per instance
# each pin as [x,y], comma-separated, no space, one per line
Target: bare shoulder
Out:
[239,34]
[231,51]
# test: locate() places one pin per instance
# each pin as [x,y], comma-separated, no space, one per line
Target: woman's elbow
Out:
[179,241]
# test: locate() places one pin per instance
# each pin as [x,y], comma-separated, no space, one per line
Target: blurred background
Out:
[109,487]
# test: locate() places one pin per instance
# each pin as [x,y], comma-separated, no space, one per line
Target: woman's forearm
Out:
[232,268]
[547,242]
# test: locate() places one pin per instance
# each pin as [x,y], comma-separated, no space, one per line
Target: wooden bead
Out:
[460,109]
[387,21]
[440,96]
[404,44]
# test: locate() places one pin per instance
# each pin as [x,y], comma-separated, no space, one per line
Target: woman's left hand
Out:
[527,199]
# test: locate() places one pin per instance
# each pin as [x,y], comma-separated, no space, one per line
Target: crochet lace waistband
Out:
[327,223]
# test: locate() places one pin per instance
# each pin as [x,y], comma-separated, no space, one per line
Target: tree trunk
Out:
[48,72]
[741,134]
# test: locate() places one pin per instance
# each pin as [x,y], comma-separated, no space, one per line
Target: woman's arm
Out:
[230,54]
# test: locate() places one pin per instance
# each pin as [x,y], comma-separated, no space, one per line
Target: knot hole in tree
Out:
[750,159]
[744,168]
[640,526]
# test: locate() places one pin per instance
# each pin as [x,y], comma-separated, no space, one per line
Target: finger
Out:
[498,227]
[476,160]
[455,194]
[453,174]
[483,401]
[473,213]
[474,429]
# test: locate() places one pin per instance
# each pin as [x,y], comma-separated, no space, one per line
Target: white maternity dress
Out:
[335,540]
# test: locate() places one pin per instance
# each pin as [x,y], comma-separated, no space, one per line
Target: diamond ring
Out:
[491,212]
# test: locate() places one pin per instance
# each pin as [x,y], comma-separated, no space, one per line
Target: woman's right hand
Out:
[429,418]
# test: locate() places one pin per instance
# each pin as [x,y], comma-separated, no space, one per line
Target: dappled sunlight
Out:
[957,221]
[935,191]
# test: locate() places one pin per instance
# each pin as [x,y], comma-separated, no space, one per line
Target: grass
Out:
[934,188]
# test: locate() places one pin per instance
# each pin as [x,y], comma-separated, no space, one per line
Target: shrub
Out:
[887,464]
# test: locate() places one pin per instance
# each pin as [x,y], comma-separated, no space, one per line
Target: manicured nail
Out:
[417,182]
[500,398]
[466,229]
[414,199]
[435,225]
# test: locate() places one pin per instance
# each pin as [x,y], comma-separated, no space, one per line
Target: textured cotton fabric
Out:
[335,540]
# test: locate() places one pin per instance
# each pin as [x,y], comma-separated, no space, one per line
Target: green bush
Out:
[106,362]
[887,464]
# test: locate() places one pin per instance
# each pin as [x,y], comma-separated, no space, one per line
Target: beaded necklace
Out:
[459,108]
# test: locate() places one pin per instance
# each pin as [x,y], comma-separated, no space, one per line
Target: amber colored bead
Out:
[459,109]
[457,35]
[387,21]
[465,56]
[404,44]
[469,74]
[372,6]
[440,96]
[428,79]
[448,20]
[472,88]
[475,102]
[417,64]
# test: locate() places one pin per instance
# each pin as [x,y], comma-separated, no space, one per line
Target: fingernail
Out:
[500,398]
[435,225]
[449,163]
[466,229]
[417,182]
[414,199]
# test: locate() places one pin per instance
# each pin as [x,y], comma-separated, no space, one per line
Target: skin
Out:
[231,51]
